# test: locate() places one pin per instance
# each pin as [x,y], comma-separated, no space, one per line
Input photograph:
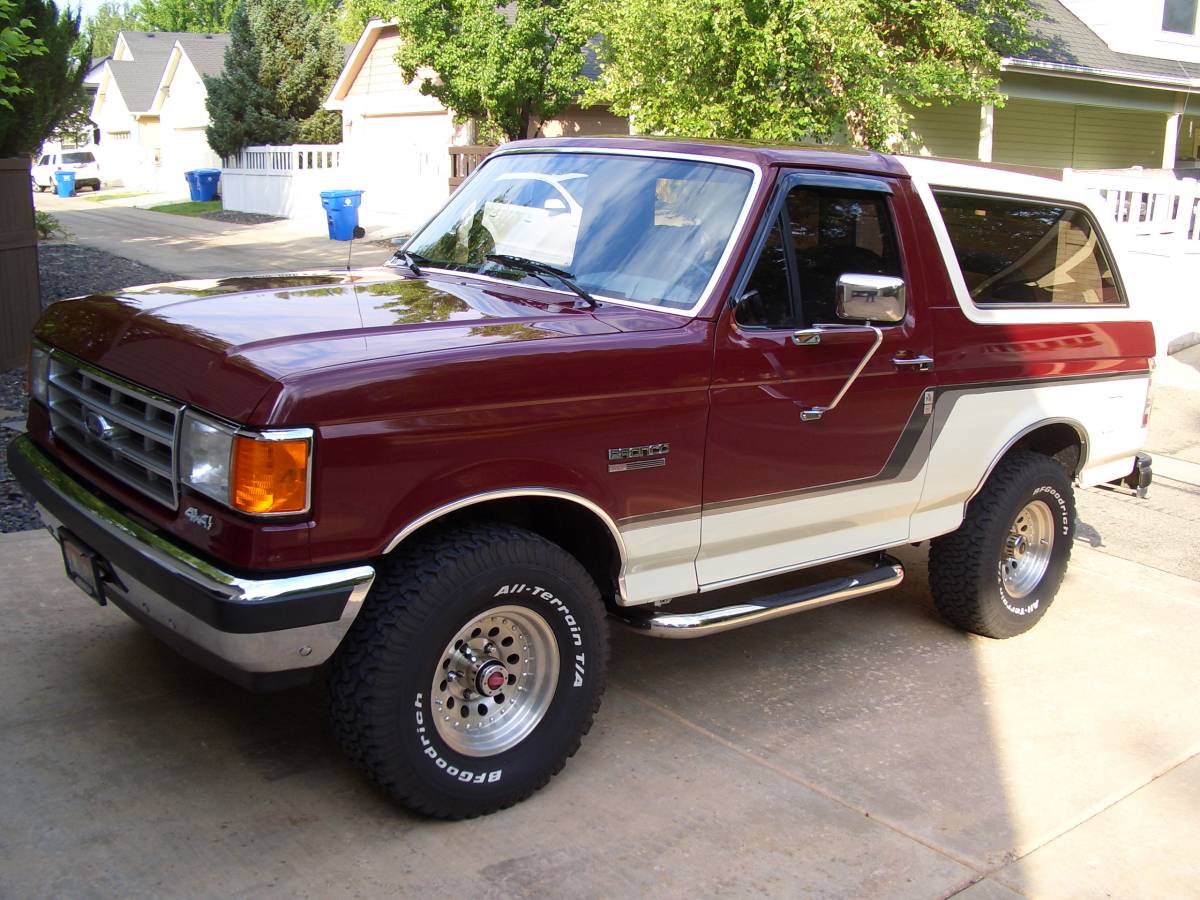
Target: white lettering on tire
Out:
[466,776]
[543,594]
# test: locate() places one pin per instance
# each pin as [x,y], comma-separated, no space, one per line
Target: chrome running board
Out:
[887,574]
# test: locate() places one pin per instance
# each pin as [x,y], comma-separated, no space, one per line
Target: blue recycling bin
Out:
[64,183]
[202,183]
[341,213]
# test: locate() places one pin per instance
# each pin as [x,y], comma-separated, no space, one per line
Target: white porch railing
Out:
[1157,220]
[281,181]
[1146,206]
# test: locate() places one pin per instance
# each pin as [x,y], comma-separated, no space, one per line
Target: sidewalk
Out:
[860,750]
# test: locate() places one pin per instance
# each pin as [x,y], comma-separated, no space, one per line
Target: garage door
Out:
[402,164]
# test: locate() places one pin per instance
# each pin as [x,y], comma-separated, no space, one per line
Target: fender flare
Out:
[1029,429]
[445,509]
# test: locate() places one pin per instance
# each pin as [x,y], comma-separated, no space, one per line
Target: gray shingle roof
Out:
[138,78]
[206,51]
[1066,40]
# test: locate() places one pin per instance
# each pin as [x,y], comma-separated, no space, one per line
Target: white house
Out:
[149,108]
[179,103]
[395,140]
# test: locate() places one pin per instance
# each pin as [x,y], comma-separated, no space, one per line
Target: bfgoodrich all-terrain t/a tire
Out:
[999,572]
[473,670]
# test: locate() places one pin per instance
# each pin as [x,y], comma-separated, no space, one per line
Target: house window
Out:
[118,135]
[1022,252]
[1179,16]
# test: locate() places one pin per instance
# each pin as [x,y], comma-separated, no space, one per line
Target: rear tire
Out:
[999,572]
[473,670]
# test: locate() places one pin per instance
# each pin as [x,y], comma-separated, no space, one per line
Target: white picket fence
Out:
[282,181]
[403,183]
[1146,206]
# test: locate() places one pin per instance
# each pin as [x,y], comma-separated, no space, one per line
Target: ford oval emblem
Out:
[97,426]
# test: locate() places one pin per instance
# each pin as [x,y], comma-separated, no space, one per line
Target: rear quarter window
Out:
[1018,252]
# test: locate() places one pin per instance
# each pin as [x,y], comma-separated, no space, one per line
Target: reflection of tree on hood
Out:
[415,302]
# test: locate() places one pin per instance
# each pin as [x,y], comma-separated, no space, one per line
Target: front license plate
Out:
[83,565]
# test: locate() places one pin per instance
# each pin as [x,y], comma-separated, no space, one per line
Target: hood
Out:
[220,344]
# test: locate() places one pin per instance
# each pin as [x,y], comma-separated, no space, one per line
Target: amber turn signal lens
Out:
[269,476]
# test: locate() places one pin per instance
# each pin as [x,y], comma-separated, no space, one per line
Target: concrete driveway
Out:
[196,247]
[861,750]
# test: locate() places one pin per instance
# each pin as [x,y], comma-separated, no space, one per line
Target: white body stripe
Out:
[742,542]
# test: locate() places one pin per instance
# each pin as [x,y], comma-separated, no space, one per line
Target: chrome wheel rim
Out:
[494,681]
[1027,548]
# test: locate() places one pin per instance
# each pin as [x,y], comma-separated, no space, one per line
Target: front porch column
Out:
[987,125]
[1171,140]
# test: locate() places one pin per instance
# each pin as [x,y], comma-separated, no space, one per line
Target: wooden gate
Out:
[464,161]
[20,300]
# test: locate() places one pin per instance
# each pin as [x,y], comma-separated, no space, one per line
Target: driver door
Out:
[817,432]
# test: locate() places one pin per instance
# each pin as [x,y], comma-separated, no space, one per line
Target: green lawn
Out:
[100,198]
[188,207]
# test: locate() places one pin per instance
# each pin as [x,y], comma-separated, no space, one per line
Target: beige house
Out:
[1111,86]
[149,108]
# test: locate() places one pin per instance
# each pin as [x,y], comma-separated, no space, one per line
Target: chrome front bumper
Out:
[243,628]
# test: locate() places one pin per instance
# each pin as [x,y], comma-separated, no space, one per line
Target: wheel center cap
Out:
[1016,546]
[491,678]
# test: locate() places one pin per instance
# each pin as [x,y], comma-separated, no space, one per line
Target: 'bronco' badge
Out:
[648,456]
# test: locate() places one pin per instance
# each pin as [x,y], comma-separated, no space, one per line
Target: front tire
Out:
[999,572]
[473,671]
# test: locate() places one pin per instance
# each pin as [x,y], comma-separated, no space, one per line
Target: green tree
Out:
[51,82]
[506,68]
[823,70]
[183,15]
[15,45]
[283,58]
[103,26]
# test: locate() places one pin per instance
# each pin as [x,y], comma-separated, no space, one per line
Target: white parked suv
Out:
[81,162]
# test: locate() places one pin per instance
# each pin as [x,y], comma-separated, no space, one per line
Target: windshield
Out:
[634,228]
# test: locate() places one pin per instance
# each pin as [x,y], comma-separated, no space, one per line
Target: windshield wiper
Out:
[412,261]
[533,267]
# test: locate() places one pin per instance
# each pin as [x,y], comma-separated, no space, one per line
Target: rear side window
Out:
[1022,252]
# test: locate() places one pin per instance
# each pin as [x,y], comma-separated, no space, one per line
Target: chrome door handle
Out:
[920,363]
[806,337]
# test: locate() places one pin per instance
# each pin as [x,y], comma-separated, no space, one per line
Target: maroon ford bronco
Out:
[607,375]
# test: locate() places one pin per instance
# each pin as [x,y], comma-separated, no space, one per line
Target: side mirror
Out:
[555,206]
[875,298]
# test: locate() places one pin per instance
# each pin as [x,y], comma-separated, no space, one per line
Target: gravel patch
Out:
[240,218]
[16,511]
[69,270]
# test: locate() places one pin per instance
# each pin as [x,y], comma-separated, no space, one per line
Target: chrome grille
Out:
[118,426]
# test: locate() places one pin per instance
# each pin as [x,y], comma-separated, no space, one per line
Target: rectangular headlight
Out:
[205,453]
[260,473]
[38,374]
